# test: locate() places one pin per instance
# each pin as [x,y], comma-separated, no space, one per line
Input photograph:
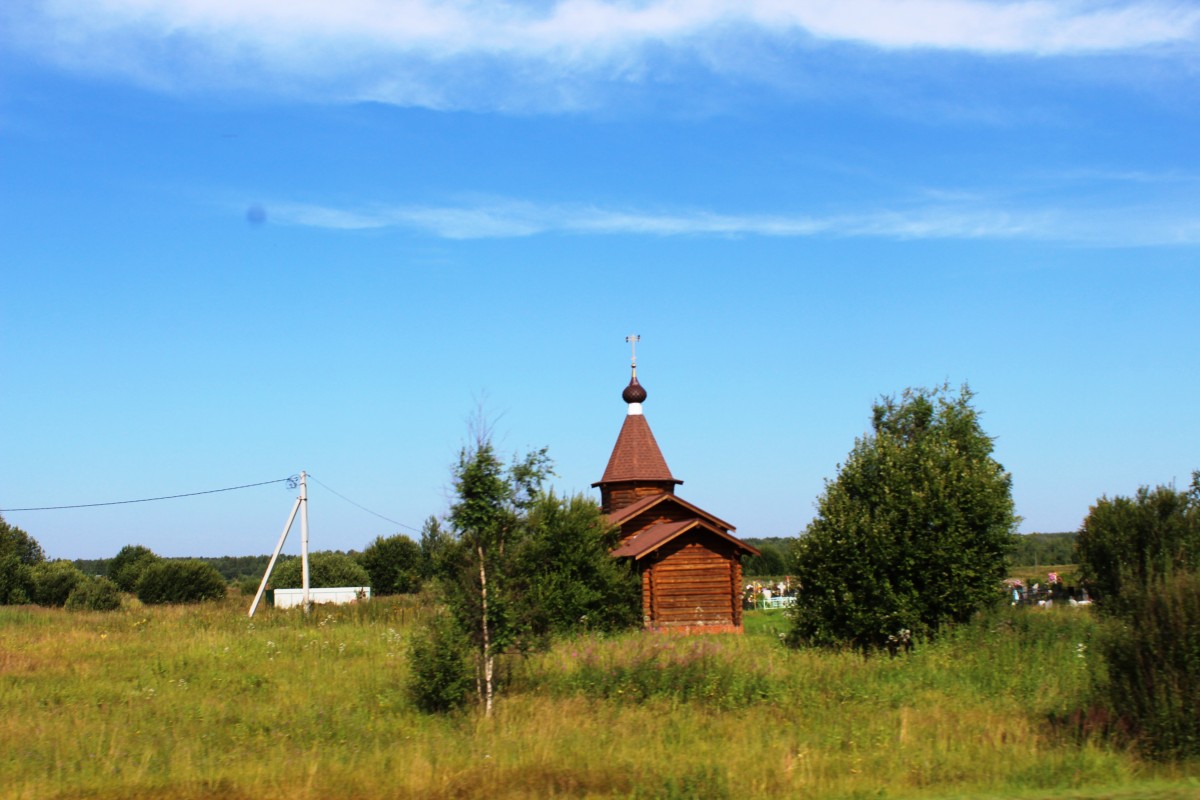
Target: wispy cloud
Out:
[946,220]
[440,52]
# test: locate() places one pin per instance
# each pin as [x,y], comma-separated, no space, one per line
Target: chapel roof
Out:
[635,456]
[630,511]
[656,536]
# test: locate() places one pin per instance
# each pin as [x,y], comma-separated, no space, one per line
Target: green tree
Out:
[913,534]
[19,552]
[1043,549]
[394,565]
[326,569]
[487,517]
[435,543]
[182,580]
[566,579]
[126,567]
[1130,543]
[774,559]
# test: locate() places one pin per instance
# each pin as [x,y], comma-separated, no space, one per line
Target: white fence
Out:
[340,595]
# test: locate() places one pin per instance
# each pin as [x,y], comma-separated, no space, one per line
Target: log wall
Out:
[614,497]
[692,582]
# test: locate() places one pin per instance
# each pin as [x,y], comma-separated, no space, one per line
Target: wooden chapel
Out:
[689,560]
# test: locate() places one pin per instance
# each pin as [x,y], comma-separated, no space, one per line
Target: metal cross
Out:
[633,339]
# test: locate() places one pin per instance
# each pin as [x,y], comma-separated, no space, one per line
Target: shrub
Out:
[15,581]
[53,582]
[394,565]
[324,569]
[565,578]
[180,581]
[126,567]
[94,594]
[1153,659]
[247,587]
[441,679]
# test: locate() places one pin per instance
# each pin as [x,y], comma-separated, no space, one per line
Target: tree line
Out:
[1028,550]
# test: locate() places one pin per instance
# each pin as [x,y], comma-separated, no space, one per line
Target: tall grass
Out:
[1152,652]
[199,701]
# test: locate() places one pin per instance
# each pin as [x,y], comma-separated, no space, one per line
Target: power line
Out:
[288,480]
[364,508]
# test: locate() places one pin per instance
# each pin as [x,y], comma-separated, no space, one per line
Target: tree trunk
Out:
[487,648]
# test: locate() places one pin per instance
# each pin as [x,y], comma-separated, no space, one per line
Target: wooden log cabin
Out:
[688,559]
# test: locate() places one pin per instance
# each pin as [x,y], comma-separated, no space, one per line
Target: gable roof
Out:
[633,509]
[654,537]
[635,456]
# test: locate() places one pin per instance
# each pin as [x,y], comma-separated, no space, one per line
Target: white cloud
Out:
[423,51]
[965,220]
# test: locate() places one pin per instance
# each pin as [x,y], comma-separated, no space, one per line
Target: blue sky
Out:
[242,239]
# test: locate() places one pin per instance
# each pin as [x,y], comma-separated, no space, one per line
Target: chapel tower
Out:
[689,560]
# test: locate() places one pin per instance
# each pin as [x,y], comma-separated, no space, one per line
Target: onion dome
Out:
[634,393]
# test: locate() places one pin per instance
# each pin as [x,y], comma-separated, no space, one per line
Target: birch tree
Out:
[491,500]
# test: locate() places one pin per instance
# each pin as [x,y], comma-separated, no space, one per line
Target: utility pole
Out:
[301,505]
[304,540]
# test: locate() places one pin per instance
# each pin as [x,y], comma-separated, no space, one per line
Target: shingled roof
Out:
[654,537]
[623,515]
[635,456]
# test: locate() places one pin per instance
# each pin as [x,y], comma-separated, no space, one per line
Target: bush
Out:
[442,678]
[53,582]
[325,569]
[180,581]
[247,587]
[1153,658]
[565,579]
[94,594]
[16,582]
[394,565]
[126,567]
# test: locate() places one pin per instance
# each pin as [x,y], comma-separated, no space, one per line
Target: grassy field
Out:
[201,702]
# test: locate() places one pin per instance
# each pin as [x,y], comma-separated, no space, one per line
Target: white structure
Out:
[340,595]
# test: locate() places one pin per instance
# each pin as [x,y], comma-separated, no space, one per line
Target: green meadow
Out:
[202,702]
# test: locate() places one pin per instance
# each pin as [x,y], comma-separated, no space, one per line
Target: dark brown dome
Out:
[634,393]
